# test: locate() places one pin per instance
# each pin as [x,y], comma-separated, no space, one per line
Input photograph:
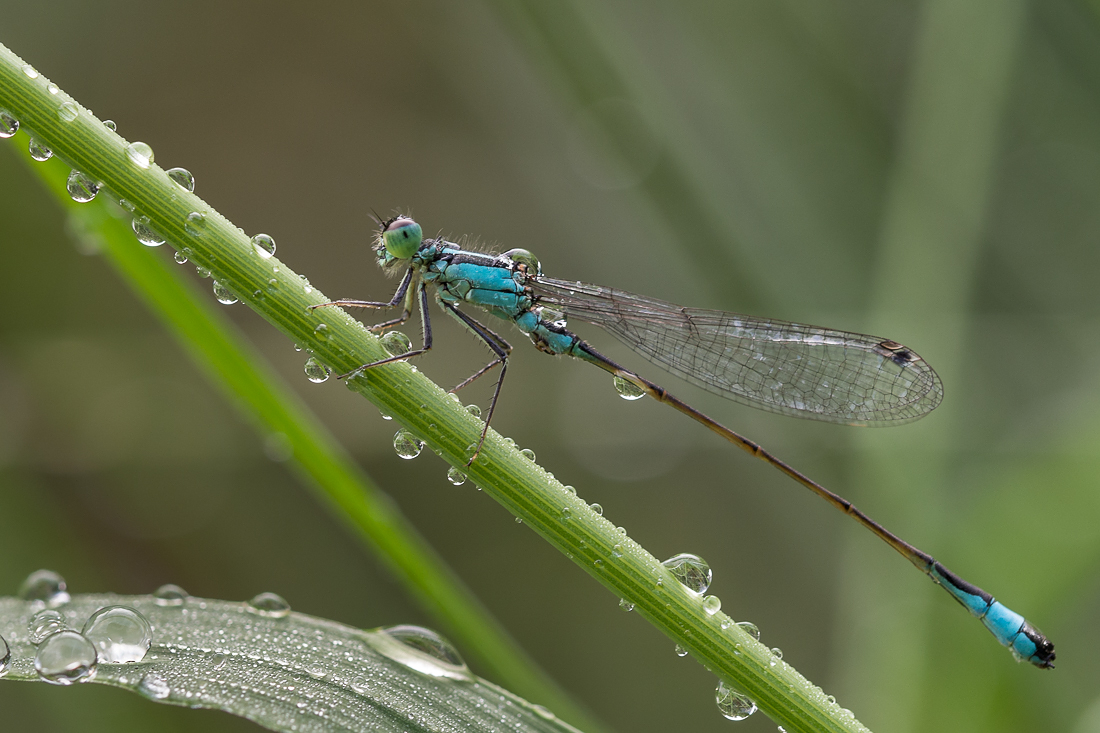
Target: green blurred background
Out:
[926,171]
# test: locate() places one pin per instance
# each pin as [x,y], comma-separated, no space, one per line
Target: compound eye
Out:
[402,237]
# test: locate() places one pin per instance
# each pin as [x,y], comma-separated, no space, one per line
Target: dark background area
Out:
[926,171]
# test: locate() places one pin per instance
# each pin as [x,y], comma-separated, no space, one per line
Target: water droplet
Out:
[182,178]
[474,410]
[140,154]
[145,232]
[223,294]
[64,658]
[316,372]
[218,660]
[180,257]
[119,633]
[778,653]
[30,71]
[110,125]
[831,700]
[570,489]
[598,508]
[566,514]
[712,605]
[427,641]
[127,205]
[52,88]
[544,712]
[68,111]
[154,686]
[5,656]
[8,124]
[82,189]
[202,271]
[45,587]
[528,454]
[39,151]
[617,550]
[406,444]
[456,477]
[396,343]
[732,704]
[195,224]
[321,331]
[680,651]
[626,605]
[170,595]
[269,605]
[750,628]
[43,624]
[264,245]
[691,570]
[628,390]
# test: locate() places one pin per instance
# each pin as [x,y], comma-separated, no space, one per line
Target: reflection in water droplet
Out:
[52,88]
[264,245]
[170,595]
[154,686]
[571,489]
[778,654]
[750,628]
[120,634]
[732,704]
[39,151]
[5,656]
[680,651]
[202,271]
[712,605]
[427,641]
[180,257]
[140,154]
[43,624]
[8,124]
[46,587]
[81,188]
[691,570]
[528,454]
[68,111]
[316,372]
[218,660]
[195,224]
[64,658]
[182,178]
[223,294]
[456,477]
[269,605]
[145,232]
[110,125]
[617,550]
[474,410]
[406,444]
[598,508]
[626,605]
[628,390]
[396,343]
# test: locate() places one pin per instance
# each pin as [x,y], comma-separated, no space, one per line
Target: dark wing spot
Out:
[895,352]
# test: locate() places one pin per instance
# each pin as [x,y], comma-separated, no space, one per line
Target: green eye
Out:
[402,237]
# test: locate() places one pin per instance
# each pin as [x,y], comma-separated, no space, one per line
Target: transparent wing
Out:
[799,370]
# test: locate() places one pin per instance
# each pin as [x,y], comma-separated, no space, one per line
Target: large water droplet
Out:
[39,151]
[528,454]
[626,605]
[628,390]
[316,372]
[81,188]
[182,178]
[140,154]
[680,651]
[223,294]
[691,570]
[52,88]
[269,605]
[154,686]
[44,588]
[119,634]
[750,628]
[170,595]
[110,125]
[5,656]
[712,605]
[180,257]
[8,124]
[145,232]
[455,476]
[264,245]
[406,444]
[195,223]
[732,704]
[474,410]
[43,624]
[427,642]
[64,658]
[68,111]
[396,343]
[30,71]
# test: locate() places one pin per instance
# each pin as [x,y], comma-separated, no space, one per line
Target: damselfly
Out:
[797,370]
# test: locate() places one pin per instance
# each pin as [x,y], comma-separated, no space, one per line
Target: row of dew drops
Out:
[119,634]
[122,635]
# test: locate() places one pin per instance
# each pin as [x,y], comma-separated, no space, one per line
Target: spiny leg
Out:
[403,294]
[500,347]
[427,327]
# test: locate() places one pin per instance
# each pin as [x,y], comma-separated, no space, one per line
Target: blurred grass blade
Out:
[289,672]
